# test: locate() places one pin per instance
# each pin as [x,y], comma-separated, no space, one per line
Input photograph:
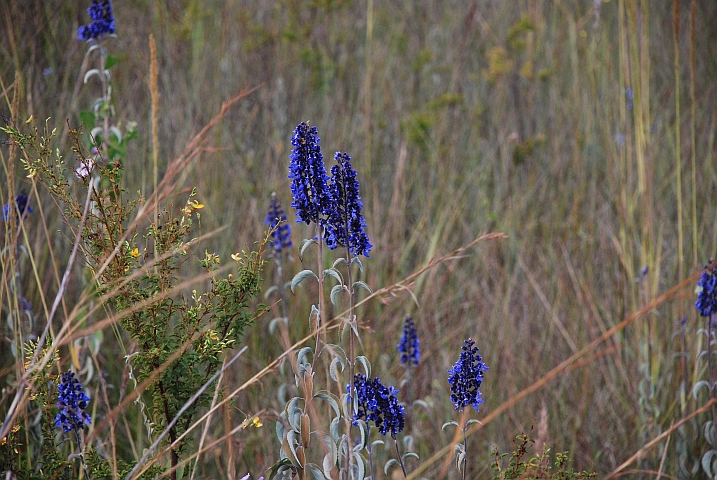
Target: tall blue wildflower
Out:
[281,236]
[308,176]
[706,302]
[378,404]
[21,200]
[346,226]
[466,377]
[72,402]
[409,345]
[103,21]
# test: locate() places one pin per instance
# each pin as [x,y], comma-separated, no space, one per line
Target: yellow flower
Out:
[134,253]
[236,257]
[256,422]
[196,205]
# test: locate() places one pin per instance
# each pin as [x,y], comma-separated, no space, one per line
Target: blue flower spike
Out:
[378,404]
[409,347]
[280,239]
[72,402]
[706,302]
[466,377]
[103,21]
[308,176]
[346,225]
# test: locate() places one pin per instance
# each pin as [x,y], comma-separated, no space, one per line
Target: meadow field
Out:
[536,175]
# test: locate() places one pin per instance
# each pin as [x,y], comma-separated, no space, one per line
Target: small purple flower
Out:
[103,21]
[21,200]
[281,236]
[706,302]
[72,402]
[409,345]
[466,377]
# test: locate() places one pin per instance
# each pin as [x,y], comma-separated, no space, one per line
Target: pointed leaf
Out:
[304,245]
[390,464]
[449,424]
[410,455]
[299,277]
[90,73]
[357,261]
[302,353]
[339,261]
[315,471]
[335,274]
[336,363]
[335,291]
[366,364]
[363,285]
[331,398]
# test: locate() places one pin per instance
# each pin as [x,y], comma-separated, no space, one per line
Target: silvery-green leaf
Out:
[274,322]
[363,429]
[339,261]
[304,245]
[359,467]
[410,455]
[408,443]
[302,353]
[335,274]
[270,290]
[357,261]
[363,285]
[335,291]
[328,464]
[336,363]
[331,398]
[449,424]
[289,448]
[281,393]
[460,459]
[90,73]
[421,403]
[377,443]
[334,428]
[698,386]
[315,471]
[707,463]
[299,277]
[280,429]
[366,364]
[392,462]
[472,421]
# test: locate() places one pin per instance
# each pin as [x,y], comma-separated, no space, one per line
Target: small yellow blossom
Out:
[134,253]
[256,422]
[236,257]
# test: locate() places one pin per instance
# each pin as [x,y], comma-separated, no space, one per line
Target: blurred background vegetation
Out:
[584,130]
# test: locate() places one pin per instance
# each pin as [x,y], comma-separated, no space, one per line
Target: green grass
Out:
[503,117]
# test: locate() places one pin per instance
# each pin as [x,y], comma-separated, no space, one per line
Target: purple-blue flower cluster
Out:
[378,404]
[103,21]
[280,239]
[707,292]
[21,200]
[466,377]
[409,345]
[72,402]
[334,204]
[346,226]
[312,200]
